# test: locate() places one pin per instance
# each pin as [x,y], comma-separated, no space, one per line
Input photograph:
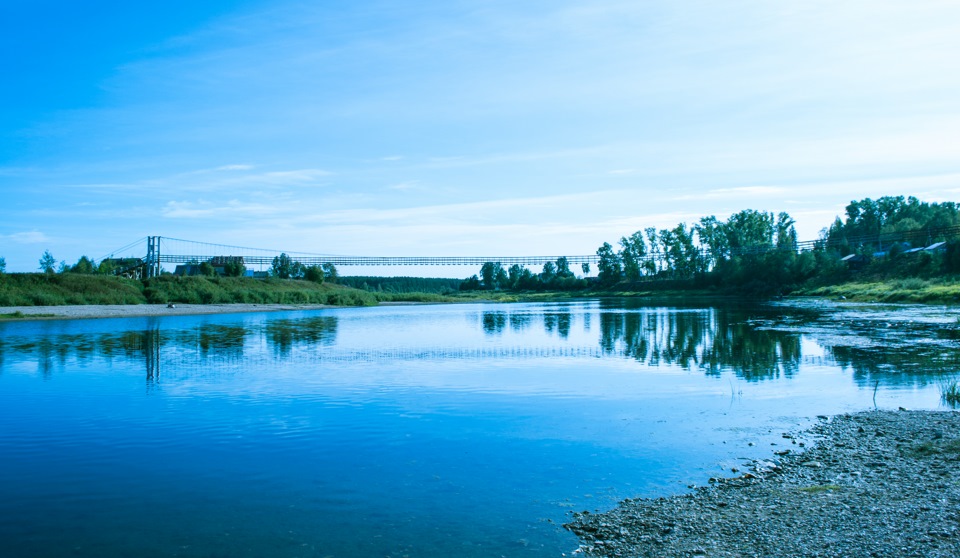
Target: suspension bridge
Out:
[145,257]
[165,250]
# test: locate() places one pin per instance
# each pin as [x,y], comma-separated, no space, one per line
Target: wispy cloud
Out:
[29,237]
[210,210]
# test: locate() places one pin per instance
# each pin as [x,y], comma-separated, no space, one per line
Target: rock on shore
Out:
[879,483]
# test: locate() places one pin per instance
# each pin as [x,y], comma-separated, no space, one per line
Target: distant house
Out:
[854,261]
[187,270]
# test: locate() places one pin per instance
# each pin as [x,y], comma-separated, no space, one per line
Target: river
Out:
[436,430]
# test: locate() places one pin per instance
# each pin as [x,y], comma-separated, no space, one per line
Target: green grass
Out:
[911,290]
[950,393]
[232,290]
[820,488]
[941,447]
[20,315]
[38,289]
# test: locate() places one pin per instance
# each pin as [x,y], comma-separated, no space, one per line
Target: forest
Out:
[758,252]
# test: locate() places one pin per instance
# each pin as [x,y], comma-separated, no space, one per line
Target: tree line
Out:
[282,267]
[554,276]
[758,251]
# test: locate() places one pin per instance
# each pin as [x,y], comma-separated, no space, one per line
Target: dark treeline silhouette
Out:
[758,252]
[555,276]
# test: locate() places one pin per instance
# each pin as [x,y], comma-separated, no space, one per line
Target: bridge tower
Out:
[152,261]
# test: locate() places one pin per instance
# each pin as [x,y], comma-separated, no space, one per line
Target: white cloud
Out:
[30,237]
[208,210]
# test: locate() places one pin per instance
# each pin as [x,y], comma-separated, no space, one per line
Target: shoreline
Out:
[875,483]
[93,311]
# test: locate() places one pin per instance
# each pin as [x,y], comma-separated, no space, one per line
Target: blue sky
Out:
[460,127]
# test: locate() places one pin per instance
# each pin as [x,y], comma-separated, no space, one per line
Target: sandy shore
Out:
[130,310]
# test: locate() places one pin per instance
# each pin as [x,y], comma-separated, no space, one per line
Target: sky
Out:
[460,127]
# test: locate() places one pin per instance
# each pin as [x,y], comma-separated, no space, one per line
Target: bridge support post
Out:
[152,260]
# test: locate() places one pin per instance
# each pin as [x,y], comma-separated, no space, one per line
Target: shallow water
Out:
[456,430]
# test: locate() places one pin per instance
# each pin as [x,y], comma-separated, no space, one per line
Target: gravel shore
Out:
[880,483]
[130,310]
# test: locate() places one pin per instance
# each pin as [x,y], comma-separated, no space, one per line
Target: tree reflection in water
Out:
[902,346]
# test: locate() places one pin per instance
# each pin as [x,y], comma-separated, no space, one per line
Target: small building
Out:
[855,261]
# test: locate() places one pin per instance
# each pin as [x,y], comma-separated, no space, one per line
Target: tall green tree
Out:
[749,230]
[48,263]
[513,276]
[282,266]
[84,265]
[330,272]
[655,262]
[609,267]
[549,274]
[786,232]
[681,256]
[489,274]
[314,273]
[3,265]
[633,250]
[713,239]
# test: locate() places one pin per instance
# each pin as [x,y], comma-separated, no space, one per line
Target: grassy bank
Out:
[37,289]
[913,290]
[40,289]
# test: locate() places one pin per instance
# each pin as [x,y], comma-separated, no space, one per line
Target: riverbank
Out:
[876,483]
[81,311]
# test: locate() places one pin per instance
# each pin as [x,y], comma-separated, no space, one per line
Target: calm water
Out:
[460,430]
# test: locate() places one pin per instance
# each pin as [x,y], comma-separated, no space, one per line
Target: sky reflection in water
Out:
[466,430]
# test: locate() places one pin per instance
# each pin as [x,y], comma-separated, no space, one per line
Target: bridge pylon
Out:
[152,261]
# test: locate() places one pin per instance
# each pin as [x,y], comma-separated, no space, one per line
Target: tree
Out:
[207,269]
[471,284]
[632,252]
[585,267]
[679,252]
[314,273]
[502,278]
[713,239]
[513,276]
[297,270]
[47,262]
[653,263]
[106,267]
[3,265]
[609,265]
[489,273]
[330,272]
[549,273]
[786,233]
[563,268]
[234,267]
[282,266]
[749,229]
[83,265]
